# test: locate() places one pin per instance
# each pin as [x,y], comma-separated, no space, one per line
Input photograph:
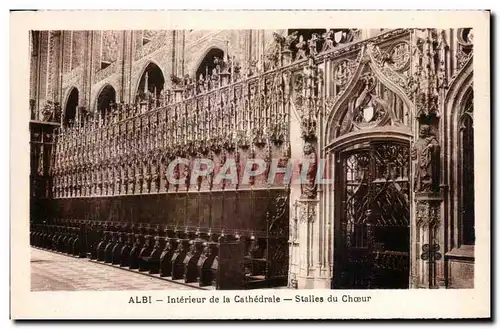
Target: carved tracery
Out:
[371,99]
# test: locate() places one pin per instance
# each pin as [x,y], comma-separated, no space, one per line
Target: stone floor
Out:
[52,271]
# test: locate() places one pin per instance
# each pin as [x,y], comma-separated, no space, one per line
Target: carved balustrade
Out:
[124,150]
[104,153]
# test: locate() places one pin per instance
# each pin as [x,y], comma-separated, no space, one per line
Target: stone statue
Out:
[206,84]
[301,48]
[308,186]
[328,44]
[364,99]
[201,84]
[425,155]
[380,106]
[313,43]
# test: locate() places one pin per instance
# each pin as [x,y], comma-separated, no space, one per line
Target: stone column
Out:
[324,238]
[126,58]
[295,228]
[87,71]
[49,92]
[43,73]
[428,245]
[312,270]
[34,72]
[308,235]
[429,66]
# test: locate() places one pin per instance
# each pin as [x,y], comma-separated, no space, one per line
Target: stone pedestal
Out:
[309,273]
[427,260]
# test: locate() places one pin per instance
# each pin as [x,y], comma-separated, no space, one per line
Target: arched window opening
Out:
[209,62]
[152,82]
[368,221]
[70,110]
[466,140]
[465,40]
[106,100]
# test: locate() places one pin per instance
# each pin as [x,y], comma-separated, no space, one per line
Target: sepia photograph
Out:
[294,159]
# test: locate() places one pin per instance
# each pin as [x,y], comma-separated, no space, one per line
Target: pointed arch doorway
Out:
[106,99]
[151,83]
[373,216]
[70,108]
[209,63]
[368,138]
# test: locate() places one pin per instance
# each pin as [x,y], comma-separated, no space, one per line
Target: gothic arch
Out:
[382,137]
[68,92]
[369,160]
[150,63]
[459,94]
[395,134]
[107,87]
[458,86]
[367,62]
[70,105]
[453,104]
[211,49]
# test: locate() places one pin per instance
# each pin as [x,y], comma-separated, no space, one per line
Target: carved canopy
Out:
[375,96]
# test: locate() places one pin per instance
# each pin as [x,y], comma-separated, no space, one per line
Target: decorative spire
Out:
[146,81]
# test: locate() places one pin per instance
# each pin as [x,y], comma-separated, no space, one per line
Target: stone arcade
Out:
[387,115]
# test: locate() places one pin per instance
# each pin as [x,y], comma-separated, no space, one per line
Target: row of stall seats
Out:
[202,259]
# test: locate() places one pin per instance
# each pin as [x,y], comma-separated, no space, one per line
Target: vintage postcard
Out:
[250,165]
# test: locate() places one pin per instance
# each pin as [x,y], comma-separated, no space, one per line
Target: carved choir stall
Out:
[122,186]
[114,202]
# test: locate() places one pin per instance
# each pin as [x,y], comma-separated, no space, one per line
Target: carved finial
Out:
[442,44]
